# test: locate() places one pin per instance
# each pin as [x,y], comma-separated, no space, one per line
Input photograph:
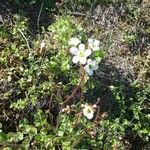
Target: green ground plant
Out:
[50,94]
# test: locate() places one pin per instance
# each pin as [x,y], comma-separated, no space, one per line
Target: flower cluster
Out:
[81,53]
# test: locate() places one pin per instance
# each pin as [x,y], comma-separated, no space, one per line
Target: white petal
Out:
[42,45]
[83,60]
[95,67]
[89,116]
[90,72]
[88,52]
[89,61]
[81,47]
[74,41]
[88,112]
[73,50]
[84,111]
[95,48]
[86,68]
[90,40]
[96,43]
[94,63]
[75,59]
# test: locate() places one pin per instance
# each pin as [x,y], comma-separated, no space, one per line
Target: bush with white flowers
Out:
[83,53]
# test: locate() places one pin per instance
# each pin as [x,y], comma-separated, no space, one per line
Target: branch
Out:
[74,91]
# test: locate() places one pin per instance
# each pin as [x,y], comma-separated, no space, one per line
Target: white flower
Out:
[74,41]
[88,111]
[91,66]
[80,53]
[42,45]
[93,44]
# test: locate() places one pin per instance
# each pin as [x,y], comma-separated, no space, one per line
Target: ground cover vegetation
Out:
[74,74]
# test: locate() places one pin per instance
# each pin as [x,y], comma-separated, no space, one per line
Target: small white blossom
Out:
[91,66]
[80,53]
[74,41]
[88,111]
[42,45]
[94,44]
